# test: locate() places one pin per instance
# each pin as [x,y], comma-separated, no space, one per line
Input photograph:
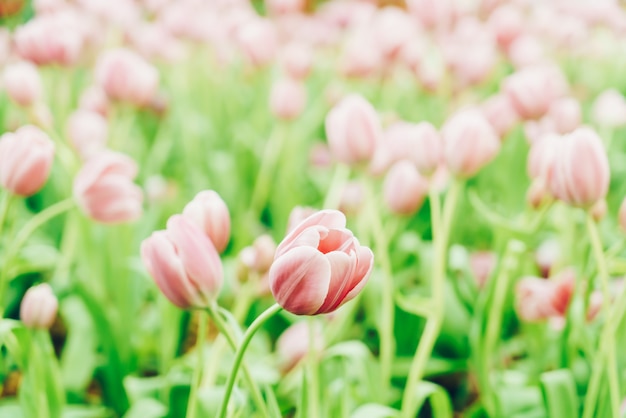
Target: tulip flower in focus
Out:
[209,212]
[26,158]
[184,263]
[105,191]
[39,307]
[319,265]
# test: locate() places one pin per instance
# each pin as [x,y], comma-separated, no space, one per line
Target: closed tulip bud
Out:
[542,157]
[359,58]
[260,255]
[352,197]
[598,210]
[538,194]
[532,90]
[105,191]
[95,100]
[126,76]
[500,113]
[526,51]
[88,132]
[534,299]
[26,158]
[51,39]
[547,256]
[470,143]
[565,114]
[294,343]
[23,83]
[258,41]
[482,264]
[404,189]
[39,307]
[319,265]
[283,7]
[581,172]
[609,109]
[353,130]
[434,14]
[184,263]
[507,23]
[297,60]
[393,28]
[209,212]
[287,99]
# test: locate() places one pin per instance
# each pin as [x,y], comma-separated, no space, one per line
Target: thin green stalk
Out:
[224,329]
[313,383]
[5,203]
[270,157]
[607,338]
[192,403]
[441,232]
[337,183]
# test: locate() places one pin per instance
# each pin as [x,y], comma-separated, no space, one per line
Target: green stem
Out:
[607,339]
[313,381]
[192,403]
[271,155]
[5,203]
[338,182]
[254,390]
[510,263]
[441,232]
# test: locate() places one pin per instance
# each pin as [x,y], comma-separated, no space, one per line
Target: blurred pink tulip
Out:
[360,57]
[547,256]
[500,113]
[287,99]
[541,299]
[595,305]
[319,265]
[609,109]
[23,83]
[352,197]
[353,130]
[283,7]
[127,77]
[436,15]
[209,212]
[526,51]
[258,42]
[393,29]
[532,90]
[470,142]
[565,114]
[184,264]
[297,60]
[49,6]
[95,100]
[26,158]
[105,191]
[581,172]
[507,23]
[542,156]
[299,214]
[39,307]
[294,343]
[622,215]
[482,265]
[259,256]
[404,189]
[88,132]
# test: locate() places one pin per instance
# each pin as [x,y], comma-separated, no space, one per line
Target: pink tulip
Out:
[258,42]
[297,215]
[542,156]
[294,343]
[297,60]
[609,109]
[434,14]
[581,172]
[95,99]
[39,307]
[87,131]
[105,191]
[319,265]
[622,215]
[404,189]
[259,256]
[532,90]
[393,29]
[500,113]
[352,197]
[184,264]
[595,305]
[565,114]
[470,142]
[507,23]
[353,130]
[127,77]
[547,256]
[26,158]
[23,83]
[209,212]
[287,99]
[482,265]
[540,299]
[283,7]
[359,57]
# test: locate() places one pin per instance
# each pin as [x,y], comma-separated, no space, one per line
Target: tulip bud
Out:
[297,60]
[209,212]
[260,255]
[283,7]
[596,300]
[51,39]
[319,265]
[526,51]
[534,299]
[353,130]
[532,90]
[609,109]
[26,158]
[500,114]
[359,58]
[581,172]
[352,197]
[404,189]
[23,83]
[126,76]
[87,131]
[537,194]
[184,264]
[470,143]
[565,114]
[547,256]
[287,99]
[542,156]
[393,28]
[258,41]
[507,23]
[598,210]
[105,191]
[294,343]
[95,100]
[482,264]
[39,307]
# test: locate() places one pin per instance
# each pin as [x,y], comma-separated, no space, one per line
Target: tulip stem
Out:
[441,232]
[25,233]
[313,381]
[5,203]
[607,338]
[338,182]
[192,403]
[247,337]
[271,155]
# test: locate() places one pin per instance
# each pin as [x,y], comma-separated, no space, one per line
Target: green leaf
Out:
[272,404]
[374,410]
[438,397]
[559,393]
[414,304]
[147,408]
[303,404]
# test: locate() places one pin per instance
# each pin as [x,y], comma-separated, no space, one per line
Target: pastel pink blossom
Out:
[360,57]
[294,343]
[258,42]
[95,100]
[482,265]
[26,158]
[39,307]
[352,197]
[436,15]
[526,51]
[105,191]
[500,113]
[581,172]
[87,132]
[353,130]
[609,109]
[532,90]
[297,60]
[565,114]
[507,23]
[184,264]
[404,188]
[542,156]
[282,7]
[22,83]
[470,142]
[393,29]
[126,76]
[319,265]
[297,215]
[287,99]
[547,256]
[541,299]
[209,212]
[259,256]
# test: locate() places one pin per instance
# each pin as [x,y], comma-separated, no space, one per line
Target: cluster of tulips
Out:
[348,208]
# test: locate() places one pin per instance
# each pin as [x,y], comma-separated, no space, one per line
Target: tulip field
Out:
[312,208]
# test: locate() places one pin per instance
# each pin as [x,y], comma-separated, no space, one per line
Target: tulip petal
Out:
[342,268]
[299,280]
[365,263]
[337,240]
[331,219]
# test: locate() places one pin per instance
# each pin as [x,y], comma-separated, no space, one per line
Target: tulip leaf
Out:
[437,396]
[414,304]
[147,408]
[559,393]
[374,410]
